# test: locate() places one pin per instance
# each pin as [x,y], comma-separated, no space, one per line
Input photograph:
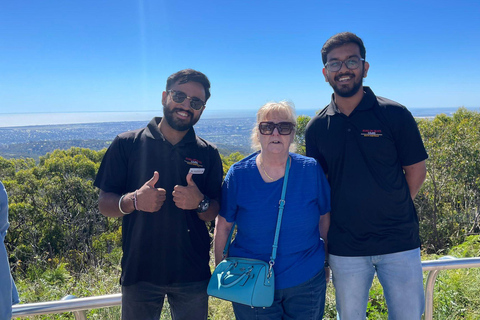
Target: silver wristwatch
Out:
[204,204]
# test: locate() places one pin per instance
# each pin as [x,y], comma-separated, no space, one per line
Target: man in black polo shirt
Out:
[165,182]
[374,158]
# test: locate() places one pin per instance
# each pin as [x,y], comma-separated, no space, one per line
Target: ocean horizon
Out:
[58,118]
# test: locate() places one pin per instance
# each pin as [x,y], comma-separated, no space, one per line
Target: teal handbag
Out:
[248,281]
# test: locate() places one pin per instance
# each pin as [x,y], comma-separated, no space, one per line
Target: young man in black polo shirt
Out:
[374,158]
[165,182]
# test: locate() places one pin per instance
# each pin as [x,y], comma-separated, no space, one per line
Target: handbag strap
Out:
[281,206]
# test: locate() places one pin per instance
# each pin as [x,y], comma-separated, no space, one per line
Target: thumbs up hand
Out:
[149,198]
[187,197]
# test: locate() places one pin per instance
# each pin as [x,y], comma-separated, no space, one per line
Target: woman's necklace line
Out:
[264,171]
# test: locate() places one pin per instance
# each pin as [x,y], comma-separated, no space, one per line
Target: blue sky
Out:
[115,55]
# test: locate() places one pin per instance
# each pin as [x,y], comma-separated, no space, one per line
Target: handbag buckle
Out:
[270,263]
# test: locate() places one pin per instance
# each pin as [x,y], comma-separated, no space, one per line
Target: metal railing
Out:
[434,267]
[79,305]
[68,304]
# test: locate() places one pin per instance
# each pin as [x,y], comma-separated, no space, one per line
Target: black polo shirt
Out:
[171,245]
[362,155]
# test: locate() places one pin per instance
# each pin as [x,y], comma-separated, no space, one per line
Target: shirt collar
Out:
[153,132]
[366,103]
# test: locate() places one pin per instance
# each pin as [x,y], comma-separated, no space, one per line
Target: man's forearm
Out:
[211,213]
[415,175]
[108,203]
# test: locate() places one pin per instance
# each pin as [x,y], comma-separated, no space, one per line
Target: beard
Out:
[179,124]
[346,91]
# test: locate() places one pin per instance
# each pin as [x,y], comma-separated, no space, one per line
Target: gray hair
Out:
[282,109]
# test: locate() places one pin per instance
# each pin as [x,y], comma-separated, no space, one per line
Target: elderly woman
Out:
[250,196]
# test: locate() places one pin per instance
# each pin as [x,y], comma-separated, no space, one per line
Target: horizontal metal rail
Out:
[79,305]
[67,305]
[434,267]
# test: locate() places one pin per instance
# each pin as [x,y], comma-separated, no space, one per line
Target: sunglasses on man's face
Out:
[179,97]
[351,64]
[283,128]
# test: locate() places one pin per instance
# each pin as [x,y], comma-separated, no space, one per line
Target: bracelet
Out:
[135,200]
[326,264]
[120,205]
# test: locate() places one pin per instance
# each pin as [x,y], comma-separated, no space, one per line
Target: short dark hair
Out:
[339,40]
[190,75]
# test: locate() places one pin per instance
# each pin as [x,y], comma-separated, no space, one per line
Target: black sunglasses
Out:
[283,128]
[179,97]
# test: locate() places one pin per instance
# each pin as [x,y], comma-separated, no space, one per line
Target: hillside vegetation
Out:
[60,244]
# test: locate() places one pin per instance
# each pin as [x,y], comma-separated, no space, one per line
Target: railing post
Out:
[429,286]
[79,315]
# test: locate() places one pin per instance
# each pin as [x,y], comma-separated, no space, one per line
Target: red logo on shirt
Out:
[194,162]
[372,133]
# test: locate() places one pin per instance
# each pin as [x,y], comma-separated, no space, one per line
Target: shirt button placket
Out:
[349,131]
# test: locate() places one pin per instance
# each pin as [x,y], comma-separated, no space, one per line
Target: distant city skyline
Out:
[54,118]
[110,56]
